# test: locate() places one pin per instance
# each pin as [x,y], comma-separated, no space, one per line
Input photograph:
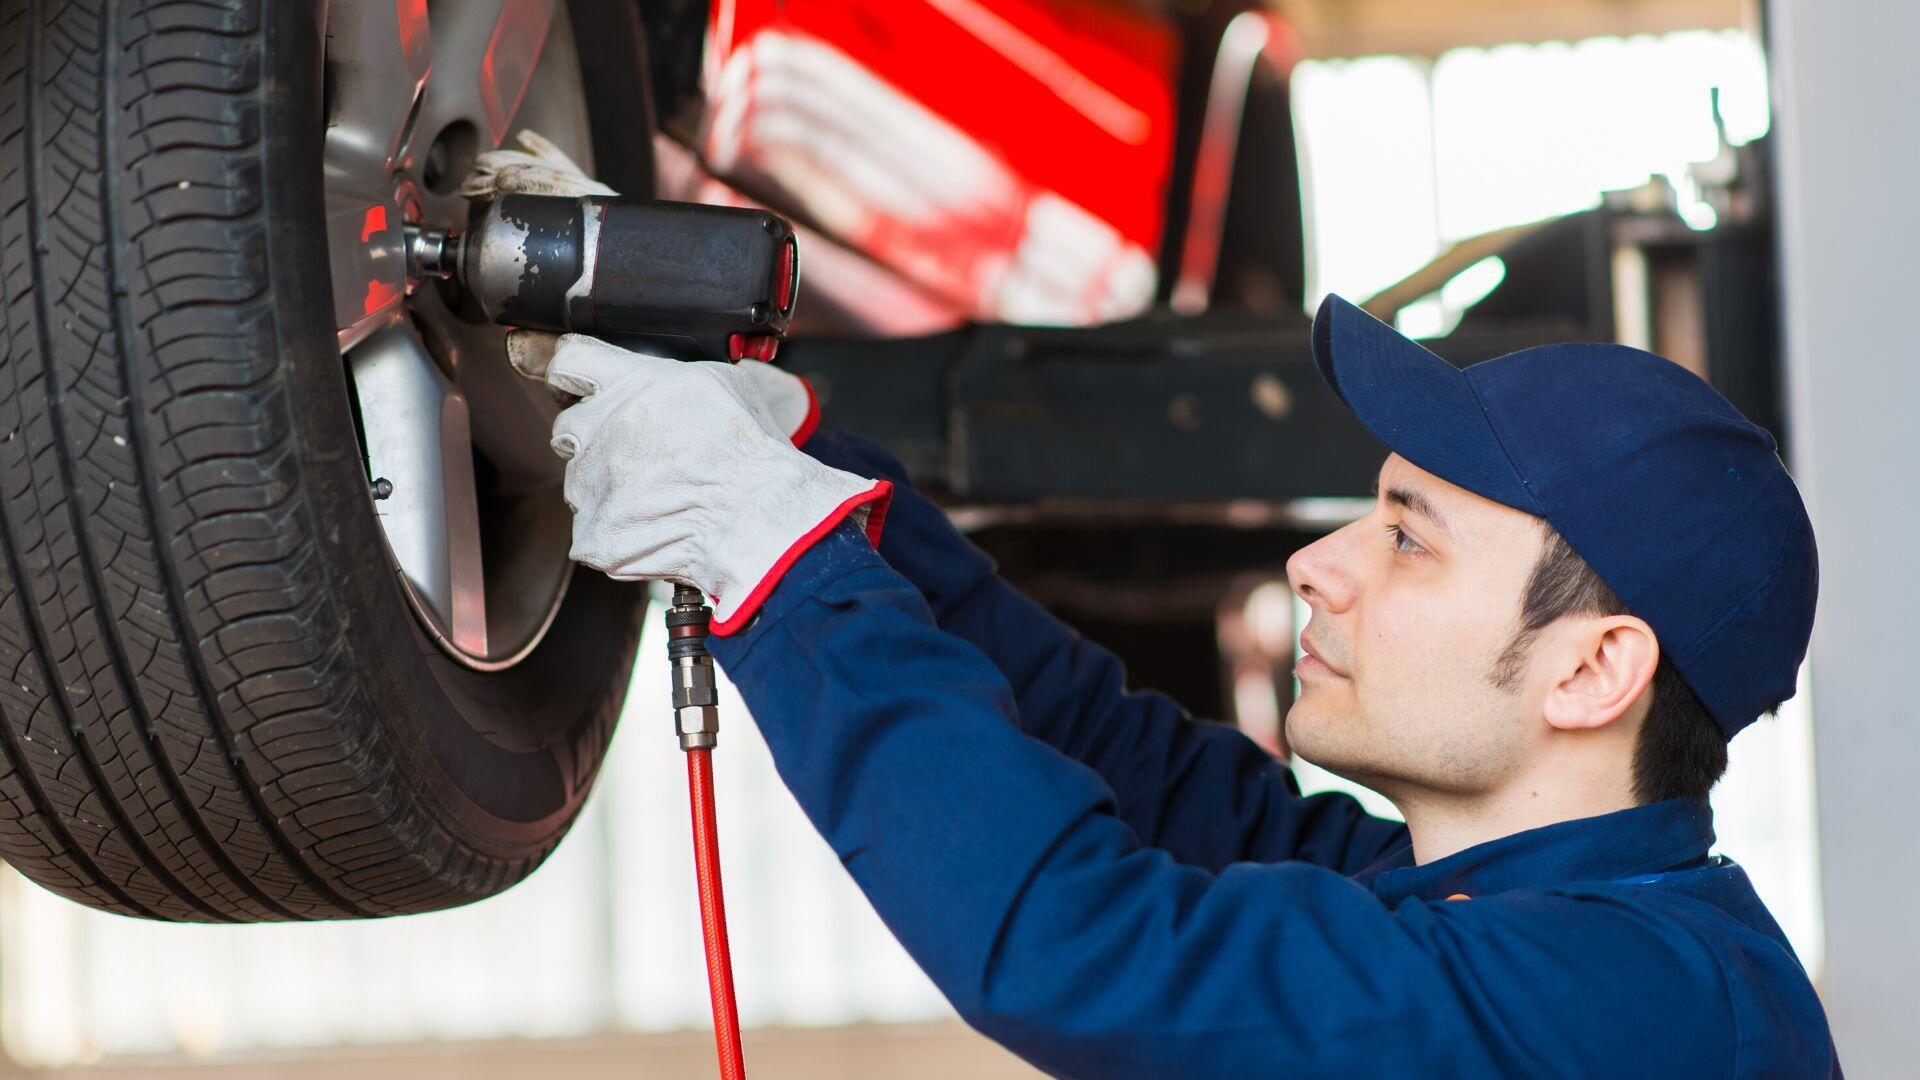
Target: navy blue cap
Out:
[1676,500]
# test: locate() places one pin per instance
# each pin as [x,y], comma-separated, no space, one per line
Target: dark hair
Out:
[1680,752]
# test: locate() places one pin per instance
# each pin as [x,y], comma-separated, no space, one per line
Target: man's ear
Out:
[1607,663]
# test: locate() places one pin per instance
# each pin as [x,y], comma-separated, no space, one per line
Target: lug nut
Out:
[430,252]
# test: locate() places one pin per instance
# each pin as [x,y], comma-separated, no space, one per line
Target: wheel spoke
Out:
[380,53]
[512,415]
[419,440]
[366,255]
[507,64]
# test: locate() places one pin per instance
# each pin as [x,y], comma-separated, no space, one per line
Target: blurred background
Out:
[1115,216]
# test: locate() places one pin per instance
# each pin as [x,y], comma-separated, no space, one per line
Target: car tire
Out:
[217,704]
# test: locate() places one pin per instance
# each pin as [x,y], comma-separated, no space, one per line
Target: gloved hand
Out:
[789,399]
[537,168]
[683,472]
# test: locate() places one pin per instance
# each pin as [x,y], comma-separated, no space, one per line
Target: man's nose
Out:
[1318,575]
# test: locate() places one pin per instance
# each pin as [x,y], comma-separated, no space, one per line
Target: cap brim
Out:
[1420,406]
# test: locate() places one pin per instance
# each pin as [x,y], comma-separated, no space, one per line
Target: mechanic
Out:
[1583,572]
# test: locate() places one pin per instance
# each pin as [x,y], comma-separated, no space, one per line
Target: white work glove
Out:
[681,471]
[788,399]
[537,168]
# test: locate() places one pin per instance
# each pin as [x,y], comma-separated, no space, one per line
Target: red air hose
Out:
[713,915]
[696,719]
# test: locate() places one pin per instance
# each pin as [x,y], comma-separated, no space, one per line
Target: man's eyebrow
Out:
[1417,503]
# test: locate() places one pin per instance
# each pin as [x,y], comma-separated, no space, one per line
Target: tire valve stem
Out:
[382,489]
[696,713]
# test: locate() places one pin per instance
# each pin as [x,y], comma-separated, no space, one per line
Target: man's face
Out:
[1412,606]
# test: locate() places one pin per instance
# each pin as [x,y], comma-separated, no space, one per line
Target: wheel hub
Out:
[471,510]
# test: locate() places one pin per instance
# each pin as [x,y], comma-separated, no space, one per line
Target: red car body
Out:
[1002,160]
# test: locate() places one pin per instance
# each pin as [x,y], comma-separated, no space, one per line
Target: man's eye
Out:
[1401,541]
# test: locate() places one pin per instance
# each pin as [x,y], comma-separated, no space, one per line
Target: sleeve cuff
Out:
[868,508]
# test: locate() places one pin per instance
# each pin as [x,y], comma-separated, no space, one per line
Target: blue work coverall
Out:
[1110,888]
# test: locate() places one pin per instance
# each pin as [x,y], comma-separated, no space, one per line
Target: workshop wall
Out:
[1403,156]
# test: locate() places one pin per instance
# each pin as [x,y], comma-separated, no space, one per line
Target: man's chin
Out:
[1307,736]
[1322,739]
[1352,768]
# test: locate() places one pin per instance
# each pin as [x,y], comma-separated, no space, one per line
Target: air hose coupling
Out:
[696,698]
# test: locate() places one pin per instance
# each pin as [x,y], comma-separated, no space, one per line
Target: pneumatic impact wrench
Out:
[677,279]
[686,280]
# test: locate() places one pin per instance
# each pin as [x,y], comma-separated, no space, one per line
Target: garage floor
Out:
[944,1051]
